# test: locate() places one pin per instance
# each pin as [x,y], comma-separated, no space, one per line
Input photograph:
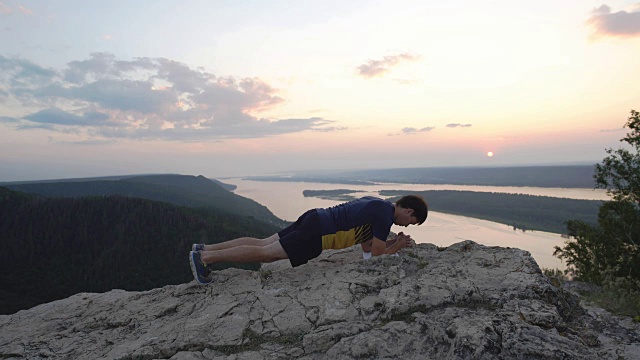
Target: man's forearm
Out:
[393,248]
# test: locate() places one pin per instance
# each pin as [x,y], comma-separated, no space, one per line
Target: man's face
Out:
[404,217]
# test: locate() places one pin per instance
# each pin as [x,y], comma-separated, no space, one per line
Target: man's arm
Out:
[366,246]
[379,247]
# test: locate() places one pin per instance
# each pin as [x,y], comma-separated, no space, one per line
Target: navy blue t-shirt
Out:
[355,222]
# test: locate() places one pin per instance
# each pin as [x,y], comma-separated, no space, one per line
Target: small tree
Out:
[619,172]
[609,252]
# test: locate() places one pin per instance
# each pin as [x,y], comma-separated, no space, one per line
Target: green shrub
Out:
[617,295]
[556,276]
[608,253]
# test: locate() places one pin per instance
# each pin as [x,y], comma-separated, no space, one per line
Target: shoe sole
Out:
[194,271]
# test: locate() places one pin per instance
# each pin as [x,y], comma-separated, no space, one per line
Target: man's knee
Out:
[271,239]
[274,252]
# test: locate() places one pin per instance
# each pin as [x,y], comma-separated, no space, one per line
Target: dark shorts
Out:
[302,240]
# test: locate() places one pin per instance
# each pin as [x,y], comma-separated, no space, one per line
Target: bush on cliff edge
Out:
[608,253]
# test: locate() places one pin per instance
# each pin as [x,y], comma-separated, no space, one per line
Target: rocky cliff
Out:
[466,301]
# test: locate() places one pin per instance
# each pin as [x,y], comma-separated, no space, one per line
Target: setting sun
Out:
[540,89]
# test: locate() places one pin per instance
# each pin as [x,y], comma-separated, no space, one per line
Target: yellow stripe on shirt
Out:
[345,239]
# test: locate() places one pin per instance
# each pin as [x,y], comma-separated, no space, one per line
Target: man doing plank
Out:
[366,221]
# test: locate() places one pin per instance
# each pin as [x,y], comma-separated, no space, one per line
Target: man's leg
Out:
[243,241]
[245,253]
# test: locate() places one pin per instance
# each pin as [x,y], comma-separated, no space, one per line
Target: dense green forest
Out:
[526,212]
[51,248]
[184,190]
[566,176]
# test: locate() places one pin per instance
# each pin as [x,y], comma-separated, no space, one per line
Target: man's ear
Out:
[410,212]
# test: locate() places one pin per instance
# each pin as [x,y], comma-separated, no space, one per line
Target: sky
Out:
[234,88]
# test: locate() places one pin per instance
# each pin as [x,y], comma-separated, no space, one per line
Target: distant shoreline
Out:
[309,180]
[570,176]
[368,183]
[522,212]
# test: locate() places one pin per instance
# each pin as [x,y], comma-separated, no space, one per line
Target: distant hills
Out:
[61,237]
[183,190]
[134,233]
[565,176]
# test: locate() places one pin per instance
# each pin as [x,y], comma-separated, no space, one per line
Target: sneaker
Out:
[200,271]
[197,247]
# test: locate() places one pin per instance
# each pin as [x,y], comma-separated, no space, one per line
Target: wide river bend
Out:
[286,201]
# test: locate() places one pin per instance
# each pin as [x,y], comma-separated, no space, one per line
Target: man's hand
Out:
[404,241]
[380,247]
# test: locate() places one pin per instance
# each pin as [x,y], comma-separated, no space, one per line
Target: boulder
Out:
[466,301]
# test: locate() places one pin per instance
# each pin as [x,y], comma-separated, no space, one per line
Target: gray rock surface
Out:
[467,301]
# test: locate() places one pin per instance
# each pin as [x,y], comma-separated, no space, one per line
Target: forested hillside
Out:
[51,248]
[184,190]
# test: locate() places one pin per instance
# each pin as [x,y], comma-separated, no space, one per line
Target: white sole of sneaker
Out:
[194,271]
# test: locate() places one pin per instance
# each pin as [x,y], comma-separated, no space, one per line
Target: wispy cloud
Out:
[37,126]
[8,119]
[374,68]
[5,10]
[25,11]
[411,130]
[613,130]
[60,117]
[619,24]
[456,125]
[331,128]
[145,98]
[82,142]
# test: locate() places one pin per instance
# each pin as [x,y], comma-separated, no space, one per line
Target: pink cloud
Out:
[375,68]
[5,10]
[619,24]
[25,10]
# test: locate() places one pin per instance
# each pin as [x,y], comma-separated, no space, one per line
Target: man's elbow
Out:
[378,247]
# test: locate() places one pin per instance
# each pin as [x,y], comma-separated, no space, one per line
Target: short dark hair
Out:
[417,204]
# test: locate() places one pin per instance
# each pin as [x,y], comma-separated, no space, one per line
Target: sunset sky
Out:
[228,88]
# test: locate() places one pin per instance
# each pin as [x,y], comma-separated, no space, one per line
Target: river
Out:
[286,201]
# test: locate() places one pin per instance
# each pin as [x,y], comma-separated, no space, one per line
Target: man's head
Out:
[410,210]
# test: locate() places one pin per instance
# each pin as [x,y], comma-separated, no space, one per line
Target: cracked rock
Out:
[467,301]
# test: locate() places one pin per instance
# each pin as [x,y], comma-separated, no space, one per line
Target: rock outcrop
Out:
[466,301]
